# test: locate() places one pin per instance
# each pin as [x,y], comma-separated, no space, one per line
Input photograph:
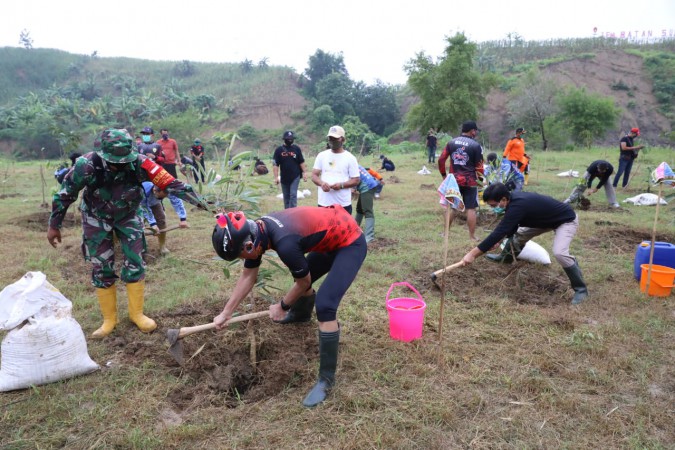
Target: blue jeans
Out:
[431,151]
[290,192]
[625,166]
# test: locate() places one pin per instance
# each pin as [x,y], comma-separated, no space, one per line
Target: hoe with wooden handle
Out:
[174,335]
[439,272]
[149,232]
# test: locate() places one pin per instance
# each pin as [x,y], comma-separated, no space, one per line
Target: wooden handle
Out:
[439,272]
[186,331]
[148,232]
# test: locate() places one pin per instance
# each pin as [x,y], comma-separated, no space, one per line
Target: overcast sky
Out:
[376,37]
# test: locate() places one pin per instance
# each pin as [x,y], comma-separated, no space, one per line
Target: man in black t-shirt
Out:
[289,161]
[601,170]
[431,145]
[627,153]
[466,161]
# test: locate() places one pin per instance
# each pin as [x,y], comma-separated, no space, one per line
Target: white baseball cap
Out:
[336,132]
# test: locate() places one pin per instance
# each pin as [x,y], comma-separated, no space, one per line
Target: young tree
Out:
[320,65]
[336,90]
[587,115]
[450,91]
[376,106]
[25,39]
[533,101]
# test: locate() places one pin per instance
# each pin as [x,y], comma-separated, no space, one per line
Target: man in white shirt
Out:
[336,172]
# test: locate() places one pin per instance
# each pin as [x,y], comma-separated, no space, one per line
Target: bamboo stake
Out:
[651,250]
[448,212]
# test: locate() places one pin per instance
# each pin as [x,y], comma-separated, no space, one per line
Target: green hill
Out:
[52,101]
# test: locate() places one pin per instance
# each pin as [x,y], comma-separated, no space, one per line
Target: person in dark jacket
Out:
[387,164]
[601,170]
[527,215]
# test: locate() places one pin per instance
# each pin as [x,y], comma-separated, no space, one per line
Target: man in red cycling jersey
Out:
[311,242]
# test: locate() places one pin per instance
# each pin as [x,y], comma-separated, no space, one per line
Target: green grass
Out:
[509,373]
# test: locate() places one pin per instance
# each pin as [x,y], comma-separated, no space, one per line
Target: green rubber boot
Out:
[577,282]
[328,355]
[508,254]
[301,310]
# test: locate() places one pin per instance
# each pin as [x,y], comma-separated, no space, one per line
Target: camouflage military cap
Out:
[116,146]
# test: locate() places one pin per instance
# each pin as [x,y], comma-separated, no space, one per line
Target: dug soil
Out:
[248,362]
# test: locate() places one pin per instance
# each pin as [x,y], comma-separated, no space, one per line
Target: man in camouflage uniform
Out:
[112,179]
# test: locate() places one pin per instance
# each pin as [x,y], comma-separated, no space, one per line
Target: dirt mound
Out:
[381,243]
[521,282]
[39,221]
[248,362]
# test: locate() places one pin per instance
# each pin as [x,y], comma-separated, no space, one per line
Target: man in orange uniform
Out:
[171,158]
[515,151]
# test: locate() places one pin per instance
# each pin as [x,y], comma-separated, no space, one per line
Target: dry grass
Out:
[518,366]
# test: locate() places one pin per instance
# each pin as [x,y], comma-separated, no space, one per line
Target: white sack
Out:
[45,343]
[424,171]
[569,174]
[645,200]
[27,297]
[306,192]
[300,195]
[43,351]
[535,253]
[281,196]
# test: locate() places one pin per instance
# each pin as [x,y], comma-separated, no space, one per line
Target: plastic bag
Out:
[645,200]
[535,253]
[44,344]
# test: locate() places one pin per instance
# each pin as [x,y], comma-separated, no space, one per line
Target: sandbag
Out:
[44,344]
[535,253]
[569,174]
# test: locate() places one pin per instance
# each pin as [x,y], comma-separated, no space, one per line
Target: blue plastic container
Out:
[664,255]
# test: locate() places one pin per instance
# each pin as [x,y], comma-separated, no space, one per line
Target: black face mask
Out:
[288,142]
[118,167]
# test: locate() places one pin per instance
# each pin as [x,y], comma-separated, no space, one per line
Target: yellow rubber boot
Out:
[136,293]
[527,176]
[107,300]
[162,244]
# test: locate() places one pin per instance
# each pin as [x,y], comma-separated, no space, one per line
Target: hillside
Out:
[226,97]
[598,74]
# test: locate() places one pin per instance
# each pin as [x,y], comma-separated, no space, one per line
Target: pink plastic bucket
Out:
[406,315]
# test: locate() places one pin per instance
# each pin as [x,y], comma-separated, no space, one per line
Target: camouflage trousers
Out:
[98,248]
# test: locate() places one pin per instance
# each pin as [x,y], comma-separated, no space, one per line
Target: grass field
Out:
[518,366]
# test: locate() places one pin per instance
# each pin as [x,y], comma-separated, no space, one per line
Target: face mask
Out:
[335,145]
[288,142]
[165,136]
[146,138]
[498,210]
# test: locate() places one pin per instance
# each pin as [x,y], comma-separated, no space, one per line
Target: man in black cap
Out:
[289,161]
[466,160]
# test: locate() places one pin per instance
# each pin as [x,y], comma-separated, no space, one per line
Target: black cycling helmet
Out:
[147,130]
[288,135]
[231,232]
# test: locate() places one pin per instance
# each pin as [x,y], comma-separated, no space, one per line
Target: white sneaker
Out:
[377,195]
[616,205]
